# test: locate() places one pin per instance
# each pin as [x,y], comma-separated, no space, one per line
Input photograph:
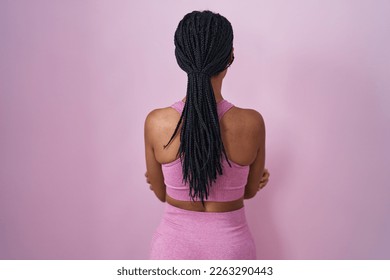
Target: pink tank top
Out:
[228,186]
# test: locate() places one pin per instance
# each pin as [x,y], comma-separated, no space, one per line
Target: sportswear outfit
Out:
[184,234]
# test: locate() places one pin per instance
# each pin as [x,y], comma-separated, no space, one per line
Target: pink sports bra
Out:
[228,187]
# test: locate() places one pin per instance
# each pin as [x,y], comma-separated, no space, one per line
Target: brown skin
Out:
[243,135]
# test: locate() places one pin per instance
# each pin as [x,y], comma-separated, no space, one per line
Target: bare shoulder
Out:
[161,115]
[160,122]
[243,132]
[248,117]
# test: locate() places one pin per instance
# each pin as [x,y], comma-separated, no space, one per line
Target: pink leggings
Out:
[185,235]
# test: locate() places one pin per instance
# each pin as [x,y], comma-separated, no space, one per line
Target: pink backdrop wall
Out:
[79,77]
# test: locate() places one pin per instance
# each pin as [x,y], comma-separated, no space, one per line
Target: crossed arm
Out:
[263,182]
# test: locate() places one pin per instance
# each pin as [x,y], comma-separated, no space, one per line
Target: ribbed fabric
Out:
[191,235]
[228,186]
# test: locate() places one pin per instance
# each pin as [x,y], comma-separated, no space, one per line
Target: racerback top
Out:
[228,187]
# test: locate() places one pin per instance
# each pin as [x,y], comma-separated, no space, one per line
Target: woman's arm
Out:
[256,170]
[153,167]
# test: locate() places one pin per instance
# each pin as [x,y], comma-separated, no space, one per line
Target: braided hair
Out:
[203,48]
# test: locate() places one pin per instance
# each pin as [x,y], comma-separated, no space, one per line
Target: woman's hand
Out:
[147,180]
[264,179]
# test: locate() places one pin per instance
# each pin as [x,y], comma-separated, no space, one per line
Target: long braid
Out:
[203,46]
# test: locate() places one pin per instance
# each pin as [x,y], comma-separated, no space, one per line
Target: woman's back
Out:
[243,136]
[240,131]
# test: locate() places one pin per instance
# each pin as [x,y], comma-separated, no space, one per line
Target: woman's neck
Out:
[216,83]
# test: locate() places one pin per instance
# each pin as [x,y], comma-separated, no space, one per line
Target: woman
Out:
[217,161]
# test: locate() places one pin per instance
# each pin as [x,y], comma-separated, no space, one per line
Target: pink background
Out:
[79,77]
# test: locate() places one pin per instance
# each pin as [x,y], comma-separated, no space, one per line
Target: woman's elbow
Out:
[249,194]
[161,196]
